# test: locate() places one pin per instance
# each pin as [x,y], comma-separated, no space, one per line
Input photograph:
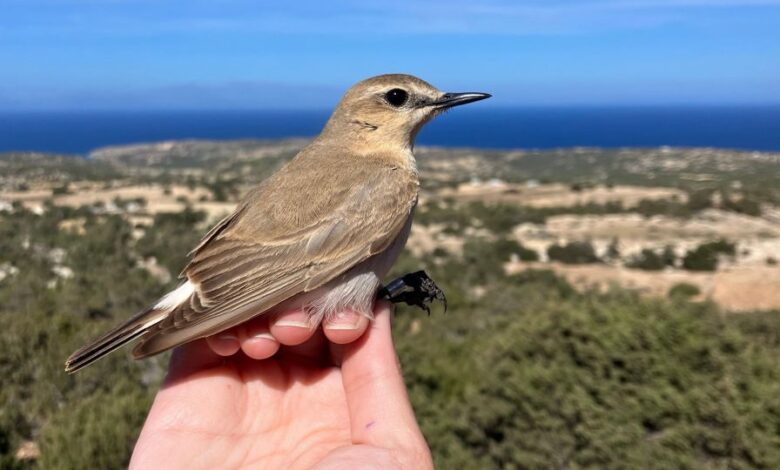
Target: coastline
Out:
[748,128]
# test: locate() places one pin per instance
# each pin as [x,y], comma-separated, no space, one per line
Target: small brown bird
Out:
[322,231]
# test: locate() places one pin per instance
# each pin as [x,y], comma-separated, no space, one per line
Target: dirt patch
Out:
[559,195]
[710,223]
[736,289]
[157,198]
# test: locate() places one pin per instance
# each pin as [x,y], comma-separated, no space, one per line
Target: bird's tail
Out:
[114,339]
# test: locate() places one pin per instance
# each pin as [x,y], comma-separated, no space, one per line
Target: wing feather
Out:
[261,255]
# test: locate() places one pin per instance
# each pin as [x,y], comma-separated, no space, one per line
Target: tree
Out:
[573,253]
[647,260]
[705,257]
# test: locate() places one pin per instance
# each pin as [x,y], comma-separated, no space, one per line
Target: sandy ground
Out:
[710,223]
[734,288]
[744,283]
[757,238]
[747,283]
[558,195]
[155,196]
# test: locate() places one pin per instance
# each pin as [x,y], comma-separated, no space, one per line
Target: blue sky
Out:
[227,54]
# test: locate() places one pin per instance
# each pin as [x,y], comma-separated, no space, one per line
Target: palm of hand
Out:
[289,412]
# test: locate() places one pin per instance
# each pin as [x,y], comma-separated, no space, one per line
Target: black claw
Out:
[416,289]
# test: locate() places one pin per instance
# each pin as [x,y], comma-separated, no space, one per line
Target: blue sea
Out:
[748,128]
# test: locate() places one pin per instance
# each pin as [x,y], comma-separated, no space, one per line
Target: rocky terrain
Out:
[629,205]
[589,297]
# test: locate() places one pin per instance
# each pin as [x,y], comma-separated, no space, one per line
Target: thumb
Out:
[380,412]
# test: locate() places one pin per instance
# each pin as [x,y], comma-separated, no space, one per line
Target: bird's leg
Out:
[416,289]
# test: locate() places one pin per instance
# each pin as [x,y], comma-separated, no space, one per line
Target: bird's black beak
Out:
[448,100]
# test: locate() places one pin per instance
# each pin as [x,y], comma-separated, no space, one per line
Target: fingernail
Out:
[227,339]
[344,321]
[293,323]
[264,335]
[295,320]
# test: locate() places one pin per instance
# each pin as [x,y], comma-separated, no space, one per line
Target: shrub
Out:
[487,257]
[647,260]
[530,378]
[705,256]
[700,260]
[171,232]
[669,256]
[61,190]
[613,250]
[743,204]
[683,290]
[526,254]
[573,253]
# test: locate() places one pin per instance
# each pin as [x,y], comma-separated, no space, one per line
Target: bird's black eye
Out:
[397,97]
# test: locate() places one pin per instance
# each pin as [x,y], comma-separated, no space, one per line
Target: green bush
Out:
[683,290]
[84,421]
[705,257]
[573,253]
[486,258]
[96,432]
[61,190]
[527,373]
[526,254]
[743,204]
[650,260]
[530,377]
[171,232]
[670,208]
[613,250]
[647,260]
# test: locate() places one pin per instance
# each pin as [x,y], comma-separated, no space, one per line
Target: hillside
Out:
[591,299]
[629,205]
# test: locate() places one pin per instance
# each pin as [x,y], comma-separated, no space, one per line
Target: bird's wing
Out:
[260,256]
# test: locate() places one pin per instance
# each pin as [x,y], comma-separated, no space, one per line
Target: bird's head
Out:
[387,111]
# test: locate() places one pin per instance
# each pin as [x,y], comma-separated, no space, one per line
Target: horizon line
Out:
[499,107]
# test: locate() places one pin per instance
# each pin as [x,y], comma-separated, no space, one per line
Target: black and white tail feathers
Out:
[133,328]
[114,339]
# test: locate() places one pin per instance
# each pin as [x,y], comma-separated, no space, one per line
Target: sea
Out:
[732,127]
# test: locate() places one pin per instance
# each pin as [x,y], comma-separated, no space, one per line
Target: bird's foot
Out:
[416,289]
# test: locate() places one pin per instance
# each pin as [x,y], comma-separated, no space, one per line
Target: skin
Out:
[279,394]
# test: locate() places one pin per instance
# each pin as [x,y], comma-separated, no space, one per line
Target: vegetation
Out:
[172,231]
[683,290]
[650,260]
[85,421]
[522,372]
[573,253]
[501,217]
[534,375]
[692,170]
[529,374]
[706,256]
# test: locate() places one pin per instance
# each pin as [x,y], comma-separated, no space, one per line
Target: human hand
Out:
[330,397]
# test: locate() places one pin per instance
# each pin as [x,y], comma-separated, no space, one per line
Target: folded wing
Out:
[285,240]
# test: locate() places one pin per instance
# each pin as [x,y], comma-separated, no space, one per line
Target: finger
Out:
[315,347]
[224,343]
[292,327]
[191,358]
[256,339]
[379,406]
[345,327]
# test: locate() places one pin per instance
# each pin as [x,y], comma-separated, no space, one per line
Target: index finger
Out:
[380,411]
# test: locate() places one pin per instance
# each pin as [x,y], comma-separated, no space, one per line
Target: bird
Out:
[322,231]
